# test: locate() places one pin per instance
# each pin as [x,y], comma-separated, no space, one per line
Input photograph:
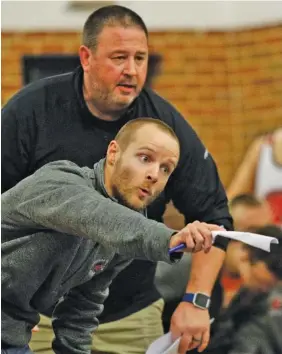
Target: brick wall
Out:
[227,84]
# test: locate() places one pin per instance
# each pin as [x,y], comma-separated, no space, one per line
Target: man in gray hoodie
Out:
[65,235]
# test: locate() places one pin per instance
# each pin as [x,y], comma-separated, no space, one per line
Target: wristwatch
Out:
[199,300]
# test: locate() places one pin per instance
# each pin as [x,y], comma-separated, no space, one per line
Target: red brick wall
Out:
[227,84]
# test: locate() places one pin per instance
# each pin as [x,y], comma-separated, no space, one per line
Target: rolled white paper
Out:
[256,240]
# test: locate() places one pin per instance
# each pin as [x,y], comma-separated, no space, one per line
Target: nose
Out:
[130,67]
[153,173]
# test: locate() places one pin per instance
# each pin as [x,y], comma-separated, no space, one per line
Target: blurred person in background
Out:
[248,212]
[74,116]
[252,322]
[260,172]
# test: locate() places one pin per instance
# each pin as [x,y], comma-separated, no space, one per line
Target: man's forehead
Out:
[160,149]
[116,35]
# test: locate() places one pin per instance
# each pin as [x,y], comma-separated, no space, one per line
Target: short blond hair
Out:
[128,132]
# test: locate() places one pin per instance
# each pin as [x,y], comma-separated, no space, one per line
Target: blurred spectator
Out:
[247,212]
[252,322]
[261,172]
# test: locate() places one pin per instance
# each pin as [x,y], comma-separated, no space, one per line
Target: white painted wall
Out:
[158,15]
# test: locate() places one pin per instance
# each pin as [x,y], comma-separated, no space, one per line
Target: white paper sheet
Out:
[164,345]
[173,349]
[256,240]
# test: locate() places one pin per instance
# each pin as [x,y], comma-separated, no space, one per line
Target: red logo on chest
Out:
[99,266]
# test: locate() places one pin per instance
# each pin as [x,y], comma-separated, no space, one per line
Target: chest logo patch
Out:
[99,265]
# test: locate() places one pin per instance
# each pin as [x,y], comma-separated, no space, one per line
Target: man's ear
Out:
[85,56]
[113,152]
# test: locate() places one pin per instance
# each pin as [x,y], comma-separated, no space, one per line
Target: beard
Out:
[122,199]
[120,196]
[122,177]
[108,101]
[123,188]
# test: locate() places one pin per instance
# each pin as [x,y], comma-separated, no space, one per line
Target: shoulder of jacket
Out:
[152,96]
[37,89]
[63,166]
[158,107]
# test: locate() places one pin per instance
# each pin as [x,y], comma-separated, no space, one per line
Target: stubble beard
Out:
[123,200]
[123,177]
[109,102]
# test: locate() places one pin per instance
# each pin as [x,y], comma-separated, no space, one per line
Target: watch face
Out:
[202,300]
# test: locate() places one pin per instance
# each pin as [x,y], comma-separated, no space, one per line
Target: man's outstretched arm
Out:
[60,198]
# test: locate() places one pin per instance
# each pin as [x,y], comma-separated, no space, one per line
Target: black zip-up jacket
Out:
[48,120]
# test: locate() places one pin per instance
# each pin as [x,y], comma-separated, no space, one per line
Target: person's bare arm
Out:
[204,270]
[244,179]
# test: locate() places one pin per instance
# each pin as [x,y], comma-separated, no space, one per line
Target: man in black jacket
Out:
[73,117]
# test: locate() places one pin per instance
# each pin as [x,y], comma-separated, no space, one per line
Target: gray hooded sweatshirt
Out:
[63,241]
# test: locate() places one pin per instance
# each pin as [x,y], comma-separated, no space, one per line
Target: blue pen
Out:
[177,248]
[181,246]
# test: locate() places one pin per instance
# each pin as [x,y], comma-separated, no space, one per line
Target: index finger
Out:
[214,227]
[205,341]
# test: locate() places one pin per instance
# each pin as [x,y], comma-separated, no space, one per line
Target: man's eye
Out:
[166,169]
[144,158]
[140,58]
[119,58]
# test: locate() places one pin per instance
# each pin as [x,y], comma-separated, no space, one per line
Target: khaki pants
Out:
[130,335]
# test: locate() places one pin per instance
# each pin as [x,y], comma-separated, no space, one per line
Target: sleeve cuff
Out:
[175,257]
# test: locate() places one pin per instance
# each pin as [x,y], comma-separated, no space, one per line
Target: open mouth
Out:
[127,86]
[146,192]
